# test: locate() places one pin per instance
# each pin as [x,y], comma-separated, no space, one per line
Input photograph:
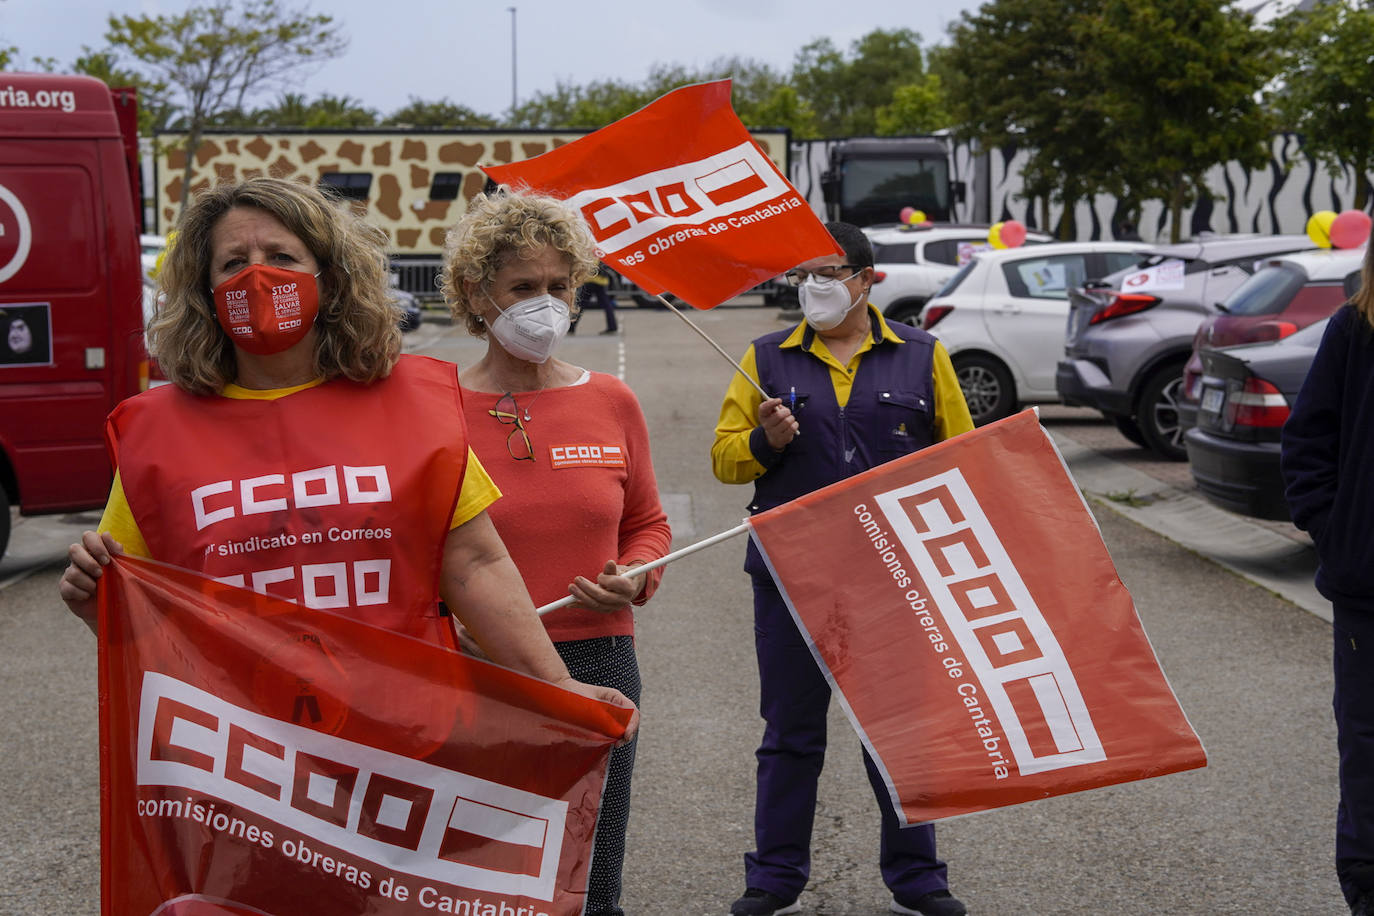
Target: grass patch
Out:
[1132,498]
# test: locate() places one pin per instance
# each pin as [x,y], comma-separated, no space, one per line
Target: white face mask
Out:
[825,303]
[531,328]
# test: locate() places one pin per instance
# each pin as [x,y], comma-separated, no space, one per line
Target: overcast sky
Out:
[461,49]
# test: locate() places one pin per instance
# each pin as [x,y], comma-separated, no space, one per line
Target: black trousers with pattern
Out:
[608,661]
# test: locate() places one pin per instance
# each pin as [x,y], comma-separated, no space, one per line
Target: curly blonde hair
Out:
[502,225]
[358,334]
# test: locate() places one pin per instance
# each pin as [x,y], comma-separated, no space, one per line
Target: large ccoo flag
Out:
[680,198]
[259,757]
[964,607]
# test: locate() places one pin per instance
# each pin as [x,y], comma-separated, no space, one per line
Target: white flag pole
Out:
[661,561]
[728,357]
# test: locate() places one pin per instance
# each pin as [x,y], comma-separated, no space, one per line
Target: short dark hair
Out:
[857,250]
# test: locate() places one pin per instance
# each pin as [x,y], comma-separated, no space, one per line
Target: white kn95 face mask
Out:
[825,303]
[532,328]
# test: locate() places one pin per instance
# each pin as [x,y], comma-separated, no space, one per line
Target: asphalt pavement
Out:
[1237,635]
[1160,496]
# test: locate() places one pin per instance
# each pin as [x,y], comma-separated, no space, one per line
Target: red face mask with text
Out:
[266,310]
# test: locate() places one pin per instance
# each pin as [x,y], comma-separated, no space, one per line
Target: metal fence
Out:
[419,277]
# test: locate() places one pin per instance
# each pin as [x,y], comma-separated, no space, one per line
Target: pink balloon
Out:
[1350,229]
[1013,233]
[906,214]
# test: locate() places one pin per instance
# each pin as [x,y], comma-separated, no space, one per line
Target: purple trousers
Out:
[794,699]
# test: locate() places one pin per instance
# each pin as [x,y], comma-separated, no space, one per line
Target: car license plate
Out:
[1212,399]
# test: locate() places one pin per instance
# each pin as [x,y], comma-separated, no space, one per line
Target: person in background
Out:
[570,449]
[848,391]
[1326,451]
[598,290]
[291,410]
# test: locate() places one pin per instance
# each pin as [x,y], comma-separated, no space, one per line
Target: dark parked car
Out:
[1129,335]
[1285,295]
[1246,394]
[411,315]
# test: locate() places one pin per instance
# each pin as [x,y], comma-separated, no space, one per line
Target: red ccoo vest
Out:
[339,496]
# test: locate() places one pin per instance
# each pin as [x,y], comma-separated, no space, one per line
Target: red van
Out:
[71,322]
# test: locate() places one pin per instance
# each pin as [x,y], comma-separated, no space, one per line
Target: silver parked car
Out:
[1129,335]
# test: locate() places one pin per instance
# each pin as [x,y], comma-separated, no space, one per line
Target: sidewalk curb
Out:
[1253,552]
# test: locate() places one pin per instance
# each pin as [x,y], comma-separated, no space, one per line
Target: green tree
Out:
[443,113]
[1326,93]
[916,108]
[215,58]
[1017,79]
[1180,81]
[782,107]
[9,56]
[590,105]
[154,107]
[845,91]
[294,110]
[1137,98]
[759,94]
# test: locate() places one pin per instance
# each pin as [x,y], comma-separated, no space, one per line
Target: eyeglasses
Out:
[798,277]
[512,417]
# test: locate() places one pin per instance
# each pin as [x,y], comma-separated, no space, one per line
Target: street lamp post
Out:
[511,9]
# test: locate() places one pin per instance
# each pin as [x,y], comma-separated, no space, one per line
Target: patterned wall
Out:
[1276,199]
[402,165]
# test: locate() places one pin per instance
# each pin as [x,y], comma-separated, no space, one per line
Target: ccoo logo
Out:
[424,820]
[992,615]
[691,194]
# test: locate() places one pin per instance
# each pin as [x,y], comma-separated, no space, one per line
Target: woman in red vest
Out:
[297,452]
[570,449]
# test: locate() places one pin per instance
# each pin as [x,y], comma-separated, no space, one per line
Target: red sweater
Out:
[588,497]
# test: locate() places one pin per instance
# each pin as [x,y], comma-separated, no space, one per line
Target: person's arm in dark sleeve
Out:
[1311,439]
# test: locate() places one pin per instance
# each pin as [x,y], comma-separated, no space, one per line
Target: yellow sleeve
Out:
[118,520]
[732,454]
[951,410]
[478,492]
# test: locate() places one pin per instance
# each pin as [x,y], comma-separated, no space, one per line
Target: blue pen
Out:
[793,406]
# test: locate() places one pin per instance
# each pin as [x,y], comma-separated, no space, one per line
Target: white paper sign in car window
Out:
[1045,277]
[968,249]
[1165,275]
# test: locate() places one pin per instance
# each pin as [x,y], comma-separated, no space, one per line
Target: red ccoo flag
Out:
[972,622]
[259,758]
[680,198]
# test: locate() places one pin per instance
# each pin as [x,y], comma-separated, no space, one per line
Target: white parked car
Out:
[1002,318]
[913,262]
